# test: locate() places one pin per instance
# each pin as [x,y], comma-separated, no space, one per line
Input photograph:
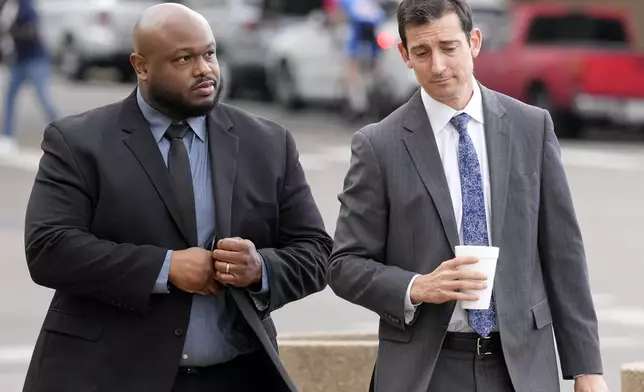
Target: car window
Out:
[576,29]
[292,7]
[495,26]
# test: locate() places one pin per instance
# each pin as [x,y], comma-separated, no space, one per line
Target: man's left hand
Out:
[237,262]
[590,383]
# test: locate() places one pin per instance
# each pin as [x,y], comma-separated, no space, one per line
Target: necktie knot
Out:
[460,122]
[176,131]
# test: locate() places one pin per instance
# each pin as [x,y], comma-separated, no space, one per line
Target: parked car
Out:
[579,63]
[246,49]
[396,83]
[84,34]
[305,62]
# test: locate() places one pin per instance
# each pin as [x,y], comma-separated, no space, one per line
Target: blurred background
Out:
[286,60]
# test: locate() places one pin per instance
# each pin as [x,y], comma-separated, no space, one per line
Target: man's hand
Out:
[444,283]
[237,262]
[191,271]
[590,383]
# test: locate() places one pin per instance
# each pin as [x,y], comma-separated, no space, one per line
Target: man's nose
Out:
[438,64]
[203,67]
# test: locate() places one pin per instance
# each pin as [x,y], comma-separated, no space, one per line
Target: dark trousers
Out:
[467,371]
[460,368]
[247,373]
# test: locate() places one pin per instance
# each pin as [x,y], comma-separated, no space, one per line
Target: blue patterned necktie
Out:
[474,222]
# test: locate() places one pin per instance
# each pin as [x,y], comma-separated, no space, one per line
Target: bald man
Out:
[169,226]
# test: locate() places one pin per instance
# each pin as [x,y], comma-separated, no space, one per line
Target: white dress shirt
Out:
[447,138]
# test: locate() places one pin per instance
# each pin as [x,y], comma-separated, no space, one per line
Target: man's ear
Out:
[404,54]
[476,40]
[140,65]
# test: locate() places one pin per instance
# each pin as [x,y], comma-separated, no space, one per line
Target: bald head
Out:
[175,61]
[161,22]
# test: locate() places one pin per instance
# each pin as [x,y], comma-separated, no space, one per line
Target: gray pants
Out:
[458,371]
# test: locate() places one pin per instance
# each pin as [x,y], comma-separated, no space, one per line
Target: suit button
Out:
[178,332]
[184,356]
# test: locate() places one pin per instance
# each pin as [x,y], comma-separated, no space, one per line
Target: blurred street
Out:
[606,172]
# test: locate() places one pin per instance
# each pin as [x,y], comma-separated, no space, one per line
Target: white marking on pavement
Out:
[15,354]
[629,316]
[595,159]
[633,366]
[28,159]
[24,159]
[614,342]
[576,156]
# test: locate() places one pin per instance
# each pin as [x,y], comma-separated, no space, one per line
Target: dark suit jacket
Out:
[396,219]
[102,215]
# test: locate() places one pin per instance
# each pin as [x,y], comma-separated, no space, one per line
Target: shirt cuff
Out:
[261,297]
[410,309]
[161,285]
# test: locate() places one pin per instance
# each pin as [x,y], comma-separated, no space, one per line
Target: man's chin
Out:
[201,109]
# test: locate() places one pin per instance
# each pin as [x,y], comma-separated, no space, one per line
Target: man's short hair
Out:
[420,12]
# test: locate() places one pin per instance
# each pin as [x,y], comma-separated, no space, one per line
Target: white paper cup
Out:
[488,256]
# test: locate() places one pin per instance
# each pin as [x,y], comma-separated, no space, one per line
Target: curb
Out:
[329,362]
[633,377]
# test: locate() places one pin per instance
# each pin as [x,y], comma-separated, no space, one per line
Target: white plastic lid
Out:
[482,252]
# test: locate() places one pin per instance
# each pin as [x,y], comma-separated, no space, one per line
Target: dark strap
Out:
[181,177]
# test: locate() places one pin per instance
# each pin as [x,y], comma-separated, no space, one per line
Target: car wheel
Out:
[567,124]
[224,72]
[285,88]
[72,64]
[126,74]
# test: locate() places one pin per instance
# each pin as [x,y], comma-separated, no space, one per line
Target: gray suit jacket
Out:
[396,220]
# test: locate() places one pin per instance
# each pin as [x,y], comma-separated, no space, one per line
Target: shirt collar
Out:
[440,114]
[159,122]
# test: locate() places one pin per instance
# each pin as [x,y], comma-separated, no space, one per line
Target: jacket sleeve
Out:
[297,265]
[357,271]
[62,253]
[563,261]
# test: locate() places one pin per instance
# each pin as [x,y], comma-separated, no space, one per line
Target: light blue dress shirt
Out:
[211,337]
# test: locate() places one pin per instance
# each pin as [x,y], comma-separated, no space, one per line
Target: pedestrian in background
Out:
[30,63]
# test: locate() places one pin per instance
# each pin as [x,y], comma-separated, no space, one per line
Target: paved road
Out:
[607,179]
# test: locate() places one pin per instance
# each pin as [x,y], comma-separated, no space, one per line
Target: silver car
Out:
[83,34]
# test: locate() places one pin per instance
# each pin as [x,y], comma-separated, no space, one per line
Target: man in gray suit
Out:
[460,164]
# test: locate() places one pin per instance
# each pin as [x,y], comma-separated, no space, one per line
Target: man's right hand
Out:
[192,271]
[444,283]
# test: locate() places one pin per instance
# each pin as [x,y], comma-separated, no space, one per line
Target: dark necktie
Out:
[474,223]
[181,177]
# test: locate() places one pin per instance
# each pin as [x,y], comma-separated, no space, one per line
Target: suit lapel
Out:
[142,144]
[497,138]
[223,147]
[422,148]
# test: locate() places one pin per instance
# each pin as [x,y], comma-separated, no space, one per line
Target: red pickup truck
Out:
[579,63]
